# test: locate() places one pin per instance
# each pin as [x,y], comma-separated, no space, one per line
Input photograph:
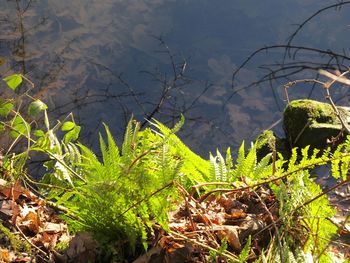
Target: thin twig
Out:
[225,254]
[328,190]
[188,210]
[341,3]
[335,78]
[295,82]
[274,226]
[30,243]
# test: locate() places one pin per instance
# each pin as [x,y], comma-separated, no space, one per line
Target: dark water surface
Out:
[106,59]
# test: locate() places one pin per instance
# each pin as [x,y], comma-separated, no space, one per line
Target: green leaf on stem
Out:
[13,81]
[39,133]
[19,127]
[36,107]
[68,125]
[5,108]
[72,135]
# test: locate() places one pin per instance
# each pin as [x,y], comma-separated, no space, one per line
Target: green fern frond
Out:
[293,159]
[195,168]
[110,151]
[218,170]
[263,169]
[241,154]
[336,168]
[228,160]
[129,140]
[341,160]
[214,169]
[177,127]
[167,131]
[243,256]
[245,164]
[222,167]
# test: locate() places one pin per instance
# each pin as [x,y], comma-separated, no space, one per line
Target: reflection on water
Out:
[105,60]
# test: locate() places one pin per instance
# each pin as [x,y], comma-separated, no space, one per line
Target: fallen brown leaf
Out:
[30,222]
[6,255]
[231,233]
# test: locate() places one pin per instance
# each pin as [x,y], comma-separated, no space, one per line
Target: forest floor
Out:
[32,230]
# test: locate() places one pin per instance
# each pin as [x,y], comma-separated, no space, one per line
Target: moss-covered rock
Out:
[309,122]
[267,142]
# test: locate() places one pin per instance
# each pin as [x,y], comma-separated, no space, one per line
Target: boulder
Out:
[309,122]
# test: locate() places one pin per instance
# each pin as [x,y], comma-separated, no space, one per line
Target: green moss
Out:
[62,245]
[301,111]
[267,141]
[15,243]
[266,137]
[265,144]
[316,121]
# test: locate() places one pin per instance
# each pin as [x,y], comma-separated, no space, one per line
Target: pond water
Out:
[105,60]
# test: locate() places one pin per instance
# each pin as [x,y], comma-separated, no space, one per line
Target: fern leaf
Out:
[228,159]
[344,168]
[335,168]
[243,256]
[128,140]
[165,130]
[213,168]
[250,161]
[103,148]
[195,168]
[245,164]
[222,167]
[179,124]
[263,169]
[112,146]
[241,154]
[293,159]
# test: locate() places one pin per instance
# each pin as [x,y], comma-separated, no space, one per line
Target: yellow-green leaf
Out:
[19,127]
[5,108]
[72,135]
[13,81]
[67,126]
[39,133]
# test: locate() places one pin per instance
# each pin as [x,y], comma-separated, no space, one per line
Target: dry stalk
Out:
[205,219]
[295,82]
[187,204]
[326,191]
[273,224]
[31,244]
[225,254]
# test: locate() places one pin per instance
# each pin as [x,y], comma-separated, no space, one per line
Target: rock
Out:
[82,248]
[309,122]
[267,142]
